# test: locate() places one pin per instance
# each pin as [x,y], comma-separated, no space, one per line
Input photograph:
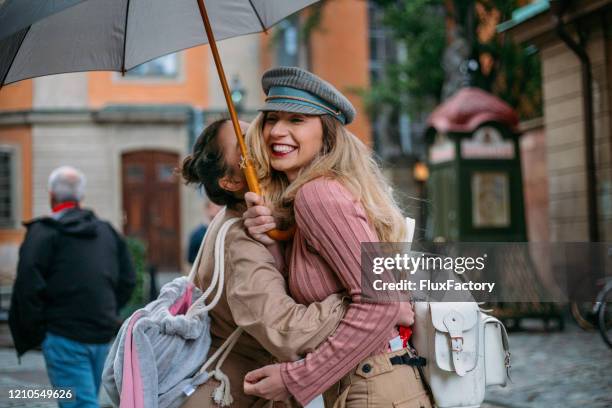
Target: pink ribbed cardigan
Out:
[325,259]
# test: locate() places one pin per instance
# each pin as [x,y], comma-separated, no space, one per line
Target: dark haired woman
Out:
[255,296]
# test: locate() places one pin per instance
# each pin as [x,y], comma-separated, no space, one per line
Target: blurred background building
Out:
[575,50]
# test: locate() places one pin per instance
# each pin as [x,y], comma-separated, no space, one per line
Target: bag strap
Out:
[505,342]
[221,394]
[453,321]
[218,277]
[410,227]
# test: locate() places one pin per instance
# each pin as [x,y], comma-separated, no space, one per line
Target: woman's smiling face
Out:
[293,140]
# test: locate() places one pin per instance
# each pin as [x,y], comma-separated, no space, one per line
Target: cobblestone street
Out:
[561,369]
[569,369]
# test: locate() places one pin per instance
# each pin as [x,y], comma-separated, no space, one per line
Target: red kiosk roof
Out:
[467,109]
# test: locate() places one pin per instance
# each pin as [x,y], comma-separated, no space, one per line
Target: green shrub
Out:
[138,252]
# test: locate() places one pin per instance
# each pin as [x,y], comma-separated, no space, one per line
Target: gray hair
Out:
[67,184]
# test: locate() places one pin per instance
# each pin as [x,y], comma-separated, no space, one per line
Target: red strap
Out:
[405,333]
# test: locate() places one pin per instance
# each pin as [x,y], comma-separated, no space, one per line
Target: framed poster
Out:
[490,199]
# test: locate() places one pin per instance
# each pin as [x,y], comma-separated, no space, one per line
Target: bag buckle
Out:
[457,343]
[508,366]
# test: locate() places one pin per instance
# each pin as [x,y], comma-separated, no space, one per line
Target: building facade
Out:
[579,192]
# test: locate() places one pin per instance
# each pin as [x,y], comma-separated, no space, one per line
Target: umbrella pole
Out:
[249,170]
[247,166]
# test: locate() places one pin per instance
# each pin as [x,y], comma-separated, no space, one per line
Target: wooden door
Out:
[151,205]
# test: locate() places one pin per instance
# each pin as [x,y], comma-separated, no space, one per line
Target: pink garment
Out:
[325,259]
[132,393]
[182,304]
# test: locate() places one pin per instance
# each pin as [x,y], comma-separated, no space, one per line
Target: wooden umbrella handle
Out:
[249,170]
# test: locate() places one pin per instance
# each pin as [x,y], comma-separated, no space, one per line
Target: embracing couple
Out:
[307,331]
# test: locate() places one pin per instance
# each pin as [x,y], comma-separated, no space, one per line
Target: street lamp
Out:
[420,172]
[238,93]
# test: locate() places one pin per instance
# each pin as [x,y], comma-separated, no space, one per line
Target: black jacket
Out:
[73,276]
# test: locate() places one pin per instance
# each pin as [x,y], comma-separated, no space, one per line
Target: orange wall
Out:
[22,137]
[17,96]
[190,88]
[340,54]
[266,52]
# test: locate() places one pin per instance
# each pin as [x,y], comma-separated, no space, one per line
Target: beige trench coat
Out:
[276,327]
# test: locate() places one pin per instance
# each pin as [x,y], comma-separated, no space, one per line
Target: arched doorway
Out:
[151,205]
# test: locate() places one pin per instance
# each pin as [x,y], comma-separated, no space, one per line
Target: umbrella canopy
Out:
[40,38]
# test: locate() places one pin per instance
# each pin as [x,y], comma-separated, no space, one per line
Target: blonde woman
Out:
[322,179]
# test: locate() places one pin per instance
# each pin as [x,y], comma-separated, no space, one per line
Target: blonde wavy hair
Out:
[343,157]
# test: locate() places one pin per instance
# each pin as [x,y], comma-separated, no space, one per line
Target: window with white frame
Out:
[162,67]
[8,187]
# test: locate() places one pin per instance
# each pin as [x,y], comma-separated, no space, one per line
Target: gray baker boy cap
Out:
[291,89]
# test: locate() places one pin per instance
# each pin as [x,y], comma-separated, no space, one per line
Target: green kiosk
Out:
[475,192]
[475,188]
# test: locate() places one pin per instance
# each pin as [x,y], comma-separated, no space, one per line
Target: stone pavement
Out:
[561,369]
[29,374]
[567,369]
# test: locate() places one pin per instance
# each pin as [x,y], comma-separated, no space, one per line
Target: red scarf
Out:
[64,206]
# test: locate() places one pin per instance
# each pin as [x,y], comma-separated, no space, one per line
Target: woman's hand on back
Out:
[258,219]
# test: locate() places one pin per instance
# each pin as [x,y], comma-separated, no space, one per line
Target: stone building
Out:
[575,48]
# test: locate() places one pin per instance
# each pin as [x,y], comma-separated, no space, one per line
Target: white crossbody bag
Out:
[466,349]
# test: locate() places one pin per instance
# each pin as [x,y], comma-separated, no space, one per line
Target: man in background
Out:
[197,235]
[73,276]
